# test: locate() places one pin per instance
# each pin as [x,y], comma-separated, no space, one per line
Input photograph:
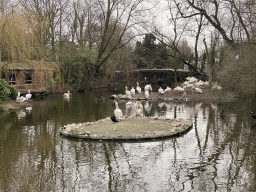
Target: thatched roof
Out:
[30,65]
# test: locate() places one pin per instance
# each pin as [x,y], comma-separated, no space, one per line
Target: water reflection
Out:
[218,154]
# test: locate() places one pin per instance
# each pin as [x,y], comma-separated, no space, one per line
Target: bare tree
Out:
[117,17]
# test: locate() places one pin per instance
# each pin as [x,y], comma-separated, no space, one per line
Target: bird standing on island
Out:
[138,88]
[179,89]
[113,118]
[20,99]
[161,91]
[29,95]
[198,91]
[128,93]
[167,89]
[147,94]
[118,112]
[147,88]
[132,91]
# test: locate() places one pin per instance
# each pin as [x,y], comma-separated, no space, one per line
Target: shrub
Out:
[7,91]
[238,76]
[14,93]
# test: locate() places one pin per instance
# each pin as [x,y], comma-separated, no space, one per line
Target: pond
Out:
[217,154]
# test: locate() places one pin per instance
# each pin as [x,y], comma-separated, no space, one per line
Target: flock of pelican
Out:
[21,99]
[191,84]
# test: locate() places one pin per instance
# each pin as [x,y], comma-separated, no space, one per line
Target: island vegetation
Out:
[89,41]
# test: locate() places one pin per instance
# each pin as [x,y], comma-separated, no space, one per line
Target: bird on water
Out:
[253,116]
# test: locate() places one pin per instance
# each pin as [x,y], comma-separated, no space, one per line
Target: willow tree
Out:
[17,39]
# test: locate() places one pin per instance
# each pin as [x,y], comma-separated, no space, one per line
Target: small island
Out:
[130,128]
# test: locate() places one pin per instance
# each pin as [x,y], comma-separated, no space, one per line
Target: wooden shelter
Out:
[35,76]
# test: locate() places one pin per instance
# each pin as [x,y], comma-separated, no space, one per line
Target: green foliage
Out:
[7,91]
[148,54]
[14,93]
[4,89]
[77,63]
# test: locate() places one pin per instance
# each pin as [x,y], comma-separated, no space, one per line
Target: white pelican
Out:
[20,98]
[132,91]
[139,108]
[118,112]
[216,86]
[167,89]
[147,94]
[206,83]
[29,95]
[192,79]
[198,91]
[138,88]
[67,95]
[179,89]
[127,92]
[161,91]
[148,88]
[199,83]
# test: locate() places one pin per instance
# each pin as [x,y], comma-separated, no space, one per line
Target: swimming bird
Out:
[253,116]
[67,95]
[113,118]
[132,91]
[20,99]
[29,95]
[221,112]
[118,112]
[161,91]
[138,88]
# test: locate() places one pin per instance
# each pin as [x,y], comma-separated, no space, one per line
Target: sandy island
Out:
[136,128]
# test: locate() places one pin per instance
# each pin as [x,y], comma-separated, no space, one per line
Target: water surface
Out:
[218,154]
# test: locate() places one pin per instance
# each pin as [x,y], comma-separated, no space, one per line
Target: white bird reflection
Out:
[29,109]
[147,106]
[21,114]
